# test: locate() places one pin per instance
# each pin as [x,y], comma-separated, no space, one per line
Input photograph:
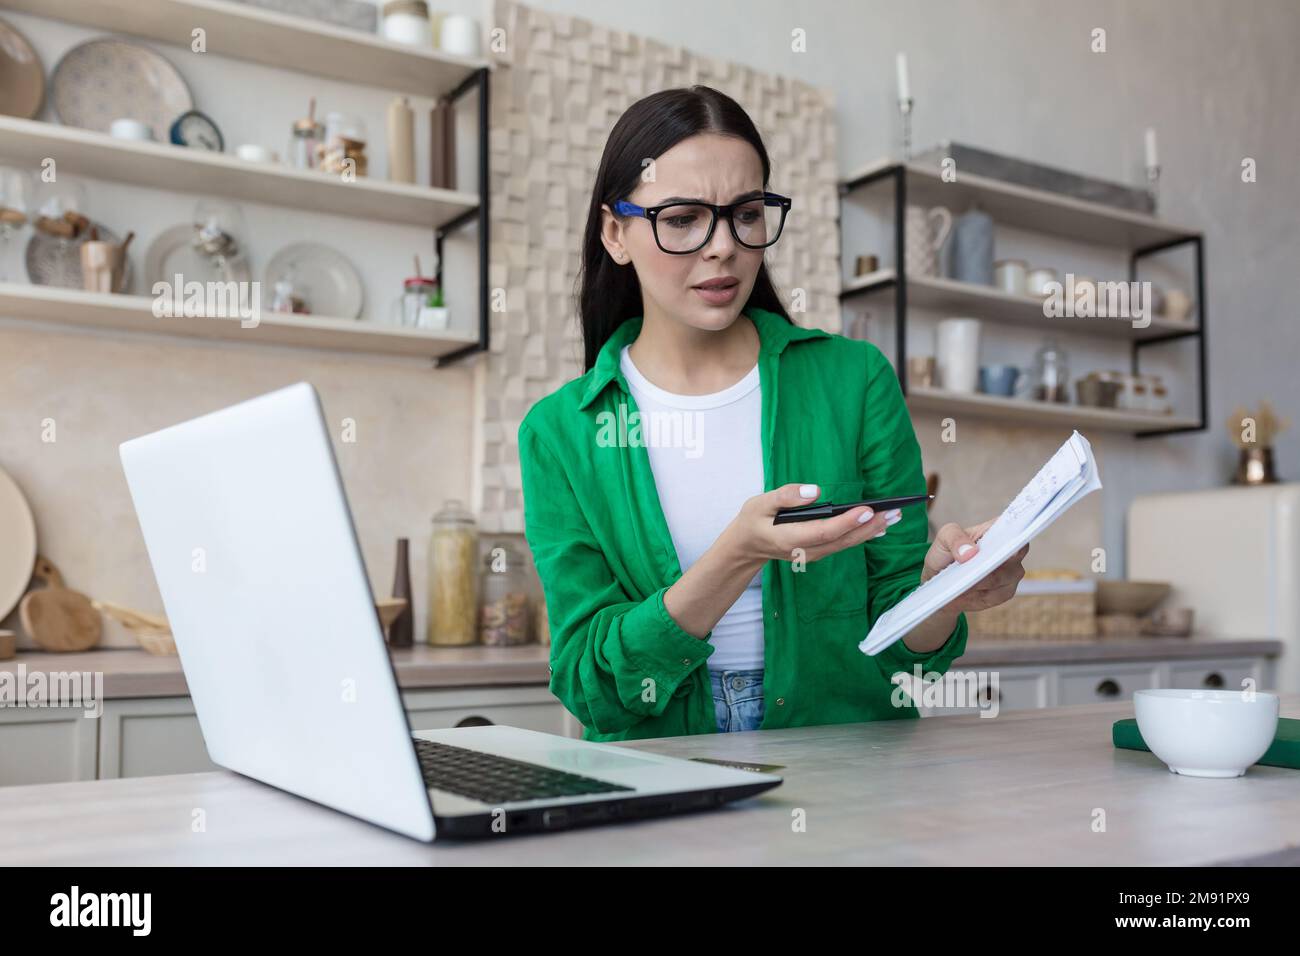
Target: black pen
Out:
[827,509]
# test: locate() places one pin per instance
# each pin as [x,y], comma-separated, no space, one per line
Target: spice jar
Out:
[416,292]
[305,139]
[504,611]
[453,583]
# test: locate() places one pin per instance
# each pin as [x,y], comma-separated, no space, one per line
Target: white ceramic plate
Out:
[173,252]
[323,277]
[17,544]
[105,79]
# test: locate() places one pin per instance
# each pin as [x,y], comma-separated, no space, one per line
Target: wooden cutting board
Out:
[57,618]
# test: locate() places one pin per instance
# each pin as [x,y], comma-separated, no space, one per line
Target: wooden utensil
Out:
[151,630]
[56,617]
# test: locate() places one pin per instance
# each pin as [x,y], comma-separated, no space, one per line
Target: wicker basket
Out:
[1040,610]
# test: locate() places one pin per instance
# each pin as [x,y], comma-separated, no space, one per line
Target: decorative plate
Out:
[106,79]
[321,276]
[17,544]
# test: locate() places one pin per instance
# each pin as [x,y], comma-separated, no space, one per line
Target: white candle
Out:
[904,87]
[1151,148]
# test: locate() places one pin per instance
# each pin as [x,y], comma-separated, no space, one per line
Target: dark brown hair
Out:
[609,294]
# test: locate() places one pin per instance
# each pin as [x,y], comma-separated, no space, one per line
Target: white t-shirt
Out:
[706,454]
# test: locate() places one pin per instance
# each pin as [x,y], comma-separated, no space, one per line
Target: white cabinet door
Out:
[532,708]
[1216,674]
[46,745]
[1103,683]
[972,691]
[149,736]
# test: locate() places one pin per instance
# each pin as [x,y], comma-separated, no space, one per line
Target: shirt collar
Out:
[774,334]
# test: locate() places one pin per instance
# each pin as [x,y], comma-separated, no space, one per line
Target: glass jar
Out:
[453,583]
[504,605]
[304,139]
[415,296]
[1051,374]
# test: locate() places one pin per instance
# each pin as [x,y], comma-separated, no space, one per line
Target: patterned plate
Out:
[107,79]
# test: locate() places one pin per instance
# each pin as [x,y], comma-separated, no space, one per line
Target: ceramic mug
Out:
[1009,275]
[972,248]
[1037,280]
[1001,380]
[958,354]
[927,231]
[102,266]
[459,35]
[127,128]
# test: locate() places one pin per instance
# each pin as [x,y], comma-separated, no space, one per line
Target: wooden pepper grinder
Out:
[401,633]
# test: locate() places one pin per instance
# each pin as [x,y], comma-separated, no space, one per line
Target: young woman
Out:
[676,605]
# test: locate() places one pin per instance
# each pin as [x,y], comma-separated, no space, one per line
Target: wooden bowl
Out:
[389,609]
[1130,597]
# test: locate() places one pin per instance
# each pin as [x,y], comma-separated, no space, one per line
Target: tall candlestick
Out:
[1151,148]
[904,87]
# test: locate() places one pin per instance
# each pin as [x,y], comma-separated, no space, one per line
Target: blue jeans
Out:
[737,699]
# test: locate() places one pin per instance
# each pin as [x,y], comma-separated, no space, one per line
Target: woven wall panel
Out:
[558,87]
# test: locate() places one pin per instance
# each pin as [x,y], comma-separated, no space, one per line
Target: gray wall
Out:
[1217,79]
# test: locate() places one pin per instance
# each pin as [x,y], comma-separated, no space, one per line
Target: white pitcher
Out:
[927,231]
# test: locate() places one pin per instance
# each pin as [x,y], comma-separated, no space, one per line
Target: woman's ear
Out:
[611,235]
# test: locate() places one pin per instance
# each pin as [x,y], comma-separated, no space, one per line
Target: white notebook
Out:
[1069,475]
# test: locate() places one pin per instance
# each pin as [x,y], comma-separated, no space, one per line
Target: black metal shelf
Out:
[898,174]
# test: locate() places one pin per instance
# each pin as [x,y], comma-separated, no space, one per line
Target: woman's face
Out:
[716,169]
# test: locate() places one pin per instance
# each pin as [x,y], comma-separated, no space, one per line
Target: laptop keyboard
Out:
[492,779]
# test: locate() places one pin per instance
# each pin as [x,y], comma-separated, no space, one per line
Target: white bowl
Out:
[1207,733]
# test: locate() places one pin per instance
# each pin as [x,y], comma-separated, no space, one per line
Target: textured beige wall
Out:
[411,451]
[560,86]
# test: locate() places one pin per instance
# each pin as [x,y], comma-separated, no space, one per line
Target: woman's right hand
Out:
[755,537]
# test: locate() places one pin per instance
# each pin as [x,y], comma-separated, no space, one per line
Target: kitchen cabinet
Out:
[1064,685]
[46,745]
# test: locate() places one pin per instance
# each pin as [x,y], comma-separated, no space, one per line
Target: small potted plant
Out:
[433,314]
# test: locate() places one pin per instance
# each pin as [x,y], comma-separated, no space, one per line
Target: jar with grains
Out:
[504,611]
[453,581]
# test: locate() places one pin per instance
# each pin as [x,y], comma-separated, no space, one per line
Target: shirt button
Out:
[686,660]
[776,613]
[780,702]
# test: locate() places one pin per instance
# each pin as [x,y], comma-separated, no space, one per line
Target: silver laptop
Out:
[251,540]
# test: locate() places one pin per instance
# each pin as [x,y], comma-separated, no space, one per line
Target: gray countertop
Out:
[1021,788]
[134,673]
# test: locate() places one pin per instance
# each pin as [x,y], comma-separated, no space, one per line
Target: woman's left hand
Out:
[955,543]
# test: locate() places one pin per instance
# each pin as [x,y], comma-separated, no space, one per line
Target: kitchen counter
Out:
[132,673]
[1021,788]
[129,672]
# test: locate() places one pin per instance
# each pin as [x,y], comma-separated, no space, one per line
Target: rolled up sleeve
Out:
[891,466]
[615,659]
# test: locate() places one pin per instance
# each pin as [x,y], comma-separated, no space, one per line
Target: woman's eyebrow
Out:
[752,194]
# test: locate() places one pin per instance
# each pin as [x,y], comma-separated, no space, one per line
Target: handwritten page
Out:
[1068,476]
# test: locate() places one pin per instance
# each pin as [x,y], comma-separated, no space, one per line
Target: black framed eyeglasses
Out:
[684,226]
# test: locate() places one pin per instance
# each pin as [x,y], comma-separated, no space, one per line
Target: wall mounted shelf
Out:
[134,313]
[1141,236]
[165,166]
[1042,413]
[271,39]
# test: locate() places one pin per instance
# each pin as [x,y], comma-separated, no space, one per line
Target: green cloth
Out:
[832,414]
[1284,751]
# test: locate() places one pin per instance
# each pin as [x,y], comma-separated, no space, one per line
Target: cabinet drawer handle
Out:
[1108,688]
[1214,679]
[474,721]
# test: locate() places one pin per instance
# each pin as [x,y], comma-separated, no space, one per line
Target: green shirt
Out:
[832,414]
